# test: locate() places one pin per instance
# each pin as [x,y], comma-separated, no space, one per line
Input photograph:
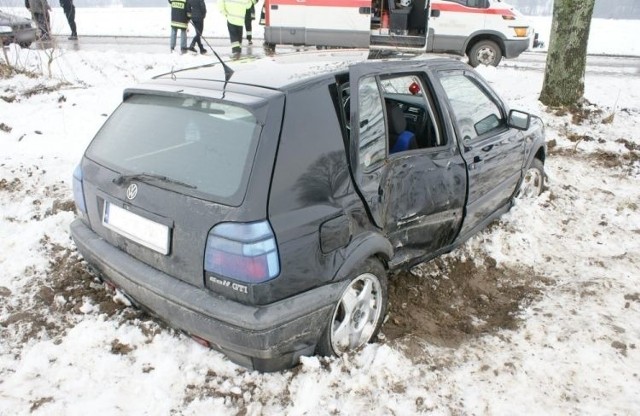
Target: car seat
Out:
[400,139]
[399,18]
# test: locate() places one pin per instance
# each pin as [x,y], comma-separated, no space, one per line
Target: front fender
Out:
[535,144]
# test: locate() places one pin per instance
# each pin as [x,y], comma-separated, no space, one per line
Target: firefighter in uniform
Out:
[180,15]
[234,11]
[248,17]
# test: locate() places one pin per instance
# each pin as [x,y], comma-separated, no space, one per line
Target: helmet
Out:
[406,3]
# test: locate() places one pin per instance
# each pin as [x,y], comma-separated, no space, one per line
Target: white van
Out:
[484,30]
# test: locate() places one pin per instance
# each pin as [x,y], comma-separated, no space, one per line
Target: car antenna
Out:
[227,69]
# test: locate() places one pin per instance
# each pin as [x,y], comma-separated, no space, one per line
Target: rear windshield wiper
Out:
[149,177]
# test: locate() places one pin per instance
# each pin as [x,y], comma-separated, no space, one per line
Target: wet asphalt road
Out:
[596,64]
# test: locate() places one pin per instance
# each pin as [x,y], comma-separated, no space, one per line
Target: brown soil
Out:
[58,298]
[625,161]
[445,302]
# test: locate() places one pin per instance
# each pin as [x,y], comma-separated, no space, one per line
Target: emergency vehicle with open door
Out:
[484,30]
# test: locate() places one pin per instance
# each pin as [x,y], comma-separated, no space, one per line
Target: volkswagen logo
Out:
[132,191]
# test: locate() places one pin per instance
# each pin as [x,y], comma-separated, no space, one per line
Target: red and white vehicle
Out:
[484,30]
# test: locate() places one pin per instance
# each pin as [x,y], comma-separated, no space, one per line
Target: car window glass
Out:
[475,112]
[205,144]
[371,127]
[411,120]
[479,4]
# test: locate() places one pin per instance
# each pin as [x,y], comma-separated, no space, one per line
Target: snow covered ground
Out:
[539,314]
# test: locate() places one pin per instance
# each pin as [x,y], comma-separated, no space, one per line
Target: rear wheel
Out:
[358,315]
[485,52]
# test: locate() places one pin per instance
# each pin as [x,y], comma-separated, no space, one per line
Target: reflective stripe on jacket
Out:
[180,13]
[234,10]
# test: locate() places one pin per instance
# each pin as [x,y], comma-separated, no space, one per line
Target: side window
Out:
[410,114]
[476,113]
[478,4]
[372,146]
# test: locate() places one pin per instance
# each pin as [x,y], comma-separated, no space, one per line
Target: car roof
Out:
[288,71]
[12,18]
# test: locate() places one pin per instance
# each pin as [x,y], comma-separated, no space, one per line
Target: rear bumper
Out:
[265,338]
[514,47]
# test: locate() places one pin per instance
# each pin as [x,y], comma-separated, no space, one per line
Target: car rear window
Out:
[206,145]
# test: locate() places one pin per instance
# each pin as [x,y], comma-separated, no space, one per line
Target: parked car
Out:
[16,29]
[261,211]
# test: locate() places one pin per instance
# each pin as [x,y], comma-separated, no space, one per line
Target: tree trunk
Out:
[567,57]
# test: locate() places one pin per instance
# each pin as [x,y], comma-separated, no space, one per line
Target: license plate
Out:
[136,228]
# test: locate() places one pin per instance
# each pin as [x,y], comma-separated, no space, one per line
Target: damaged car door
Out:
[415,193]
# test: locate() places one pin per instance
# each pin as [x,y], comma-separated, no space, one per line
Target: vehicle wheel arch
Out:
[479,37]
[367,245]
[538,156]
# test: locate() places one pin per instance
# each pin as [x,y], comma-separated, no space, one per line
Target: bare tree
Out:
[567,57]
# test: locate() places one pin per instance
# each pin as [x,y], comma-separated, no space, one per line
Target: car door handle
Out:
[487,148]
[477,161]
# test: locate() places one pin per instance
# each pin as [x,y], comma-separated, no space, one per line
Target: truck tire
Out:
[358,314]
[485,52]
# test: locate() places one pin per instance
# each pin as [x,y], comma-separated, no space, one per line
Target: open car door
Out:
[400,24]
[414,194]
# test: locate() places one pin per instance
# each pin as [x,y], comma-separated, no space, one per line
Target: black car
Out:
[16,29]
[261,210]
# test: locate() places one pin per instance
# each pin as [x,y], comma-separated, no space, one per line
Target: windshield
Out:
[207,146]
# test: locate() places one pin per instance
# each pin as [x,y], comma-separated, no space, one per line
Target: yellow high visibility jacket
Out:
[234,10]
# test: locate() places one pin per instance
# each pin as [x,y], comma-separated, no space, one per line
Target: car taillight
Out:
[78,192]
[242,251]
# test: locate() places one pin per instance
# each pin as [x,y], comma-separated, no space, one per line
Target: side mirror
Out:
[435,13]
[519,120]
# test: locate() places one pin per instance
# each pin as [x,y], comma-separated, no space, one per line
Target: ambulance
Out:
[484,30]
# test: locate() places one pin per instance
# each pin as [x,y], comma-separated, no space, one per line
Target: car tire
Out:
[485,52]
[533,182]
[358,314]
[25,45]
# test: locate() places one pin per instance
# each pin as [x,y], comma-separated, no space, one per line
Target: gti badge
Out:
[132,191]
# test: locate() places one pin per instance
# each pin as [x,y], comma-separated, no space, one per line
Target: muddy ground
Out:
[443,302]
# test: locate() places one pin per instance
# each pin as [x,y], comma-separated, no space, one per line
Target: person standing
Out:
[250,15]
[198,13]
[70,12]
[40,11]
[180,14]
[234,11]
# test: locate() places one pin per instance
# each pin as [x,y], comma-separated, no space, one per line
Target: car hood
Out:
[10,19]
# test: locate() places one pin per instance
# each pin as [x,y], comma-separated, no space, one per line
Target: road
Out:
[596,64]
